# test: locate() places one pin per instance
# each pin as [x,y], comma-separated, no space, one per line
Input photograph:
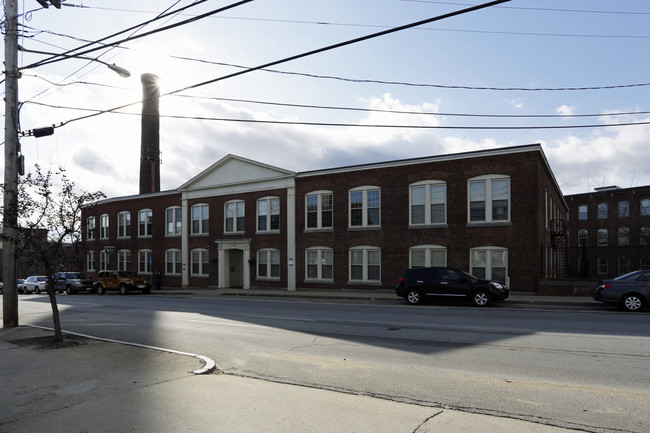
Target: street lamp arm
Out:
[112,66]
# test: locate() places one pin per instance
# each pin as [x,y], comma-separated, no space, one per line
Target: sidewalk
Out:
[99,386]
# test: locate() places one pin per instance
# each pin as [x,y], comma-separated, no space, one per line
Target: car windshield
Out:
[127,274]
[75,276]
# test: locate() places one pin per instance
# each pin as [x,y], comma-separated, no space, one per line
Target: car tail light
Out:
[401,280]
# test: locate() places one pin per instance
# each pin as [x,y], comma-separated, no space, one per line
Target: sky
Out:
[569,74]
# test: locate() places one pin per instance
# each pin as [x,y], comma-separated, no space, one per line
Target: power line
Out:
[536,9]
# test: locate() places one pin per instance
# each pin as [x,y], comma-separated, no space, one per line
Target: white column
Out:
[291,238]
[185,242]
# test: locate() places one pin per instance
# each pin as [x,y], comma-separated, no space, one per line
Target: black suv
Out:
[420,284]
[72,282]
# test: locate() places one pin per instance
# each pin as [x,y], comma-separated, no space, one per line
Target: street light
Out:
[112,66]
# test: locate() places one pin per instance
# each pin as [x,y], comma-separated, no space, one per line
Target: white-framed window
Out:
[200,219]
[603,240]
[365,264]
[90,261]
[173,264]
[234,215]
[320,263]
[173,221]
[144,261]
[489,199]
[90,228]
[124,224]
[103,260]
[603,266]
[623,236]
[319,210]
[583,237]
[428,201]
[583,212]
[200,262]
[124,260]
[645,207]
[268,264]
[145,223]
[623,209]
[268,214]
[489,263]
[623,265]
[644,236]
[365,206]
[422,256]
[602,211]
[103,226]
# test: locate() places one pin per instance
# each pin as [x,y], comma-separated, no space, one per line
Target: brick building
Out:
[609,231]
[242,223]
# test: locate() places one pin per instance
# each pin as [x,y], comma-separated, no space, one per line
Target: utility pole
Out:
[10,216]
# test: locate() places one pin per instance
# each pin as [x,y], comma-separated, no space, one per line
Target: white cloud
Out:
[565,110]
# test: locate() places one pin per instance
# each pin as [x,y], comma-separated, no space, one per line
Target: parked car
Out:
[73,282]
[19,285]
[631,292]
[35,284]
[124,281]
[421,284]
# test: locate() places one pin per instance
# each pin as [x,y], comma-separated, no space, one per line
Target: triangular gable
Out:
[235,171]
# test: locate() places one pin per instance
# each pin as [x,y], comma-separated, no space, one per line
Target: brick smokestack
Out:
[150,141]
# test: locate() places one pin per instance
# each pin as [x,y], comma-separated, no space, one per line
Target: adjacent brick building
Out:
[242,223]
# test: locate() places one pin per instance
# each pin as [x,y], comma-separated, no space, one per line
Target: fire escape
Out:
[559,243]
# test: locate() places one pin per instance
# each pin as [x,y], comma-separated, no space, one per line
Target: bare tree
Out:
[49,214]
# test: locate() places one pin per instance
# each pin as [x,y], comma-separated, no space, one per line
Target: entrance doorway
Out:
[235,268]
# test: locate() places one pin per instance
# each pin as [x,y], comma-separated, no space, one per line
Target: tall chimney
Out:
[150,141]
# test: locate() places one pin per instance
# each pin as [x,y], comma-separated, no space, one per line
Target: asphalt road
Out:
[576,368]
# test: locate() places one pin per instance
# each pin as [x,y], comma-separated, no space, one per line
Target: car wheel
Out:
[123,289]
[68,290]
[632,302]
[100,289]
[481,298]
[413,297]
[37,290]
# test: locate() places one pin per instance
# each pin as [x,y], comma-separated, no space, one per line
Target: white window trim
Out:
[428,249]
[103,260]
[202,272]
[364,190]
[427,184]
[319,210]
[119,225]
[104,229]
[234,218]
[319,277]
[90,261]
[91,229]
[488,260]
[489,179]
[178,264]
[176,224]
[268,201]
[120,255]
[200,207]
[145,235]
[364,280]
[269,262]
[147,266]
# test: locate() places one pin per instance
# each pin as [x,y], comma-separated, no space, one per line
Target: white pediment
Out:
[234,174]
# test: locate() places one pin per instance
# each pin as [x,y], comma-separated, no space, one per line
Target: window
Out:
[103,226]
[174,221]
[602,266]
[602,211]
[173,262]
[103,259]
[124,260]
[90,228]
[623,265]
[582,212]
[268,264]
[235,213]
[423,256]
[365,207]
[489,263]
[145,222]
[645,207]
[644,236]
[124,225]
[319,209]
[144,261]
[623,236]
[90,261]
[320,263]
[365,264]
[645,262]
[428,203]
[200,219]
[582,238]
[200,263]
[623,209]
[602,238]
[489,199]
[268,214]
